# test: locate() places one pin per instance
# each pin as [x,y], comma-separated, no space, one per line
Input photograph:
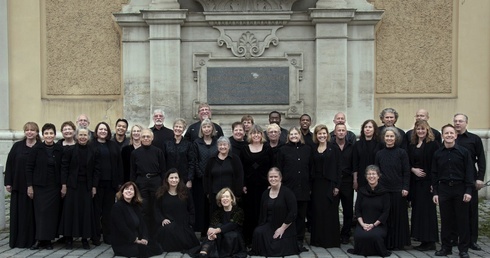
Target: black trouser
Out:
[103,201]
[300,220]
[454,212]
[473,213]
[148,187]
[346,194]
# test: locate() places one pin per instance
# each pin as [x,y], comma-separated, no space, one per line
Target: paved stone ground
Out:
[104,250]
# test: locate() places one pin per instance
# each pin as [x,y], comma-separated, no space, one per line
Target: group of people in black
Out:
[256,192]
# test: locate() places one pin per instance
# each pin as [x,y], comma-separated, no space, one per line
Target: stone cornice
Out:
[246,6]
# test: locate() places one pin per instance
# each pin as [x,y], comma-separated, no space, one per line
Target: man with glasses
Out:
[474,145]
[204,112]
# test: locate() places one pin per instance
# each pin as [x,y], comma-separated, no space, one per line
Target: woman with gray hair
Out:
[395,167]
[223,170]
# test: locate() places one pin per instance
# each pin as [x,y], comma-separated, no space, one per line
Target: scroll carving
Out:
[248,44]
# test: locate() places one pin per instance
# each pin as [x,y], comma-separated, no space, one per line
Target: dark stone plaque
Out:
[248,85]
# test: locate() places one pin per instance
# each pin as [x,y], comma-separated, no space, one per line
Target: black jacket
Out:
[70,164]
[294,161]
[37,165]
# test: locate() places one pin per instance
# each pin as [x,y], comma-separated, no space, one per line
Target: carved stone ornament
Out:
[246,5]
[248,44]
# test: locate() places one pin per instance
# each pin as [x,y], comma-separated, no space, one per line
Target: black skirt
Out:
[22,225]
[47,201]
[77,219]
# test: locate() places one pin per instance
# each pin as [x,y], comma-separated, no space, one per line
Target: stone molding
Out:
[251,43]
[246,6]
[201,61]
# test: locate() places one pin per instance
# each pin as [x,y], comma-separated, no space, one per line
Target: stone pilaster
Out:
[165,63]
[135,67]
[331,61]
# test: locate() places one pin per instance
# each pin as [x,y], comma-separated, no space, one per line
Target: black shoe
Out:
[49,246]
[61,240]
[96,242]
[443,252]
[426,246]
[301,247]
[85,244]
[464,255]
[351,251]
[36,245]
[69,245]
[387,254]
[345,240]
[475,246]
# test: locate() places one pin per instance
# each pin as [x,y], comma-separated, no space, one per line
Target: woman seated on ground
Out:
[224,236]
[372,210]
[129,232]
[276,233]
[174,211]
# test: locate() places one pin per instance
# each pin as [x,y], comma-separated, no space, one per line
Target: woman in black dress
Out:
[44,185]
[174,211]
[276,233]
[22,225]
[365,151]
[326,179]
[294,161]
[224,235]
[108,176]
[424,215]
[224,169]
[372,209]
[77,219]
[134,143]
[257,160]
[204,148]
[129,231]
[179,153]
[395,167]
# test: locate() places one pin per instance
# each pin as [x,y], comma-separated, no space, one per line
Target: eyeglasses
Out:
[145,136]
[273,132]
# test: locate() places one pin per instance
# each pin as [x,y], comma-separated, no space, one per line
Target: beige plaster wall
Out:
[64,61]
[470,77]
[458,75]
[82,48]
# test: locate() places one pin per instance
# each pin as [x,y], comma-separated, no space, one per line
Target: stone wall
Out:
[82,48]
[414,47]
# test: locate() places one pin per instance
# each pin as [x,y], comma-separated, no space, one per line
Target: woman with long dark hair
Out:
[174,212]
[108,176]
[22,225]
[365,151]
[130,234]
